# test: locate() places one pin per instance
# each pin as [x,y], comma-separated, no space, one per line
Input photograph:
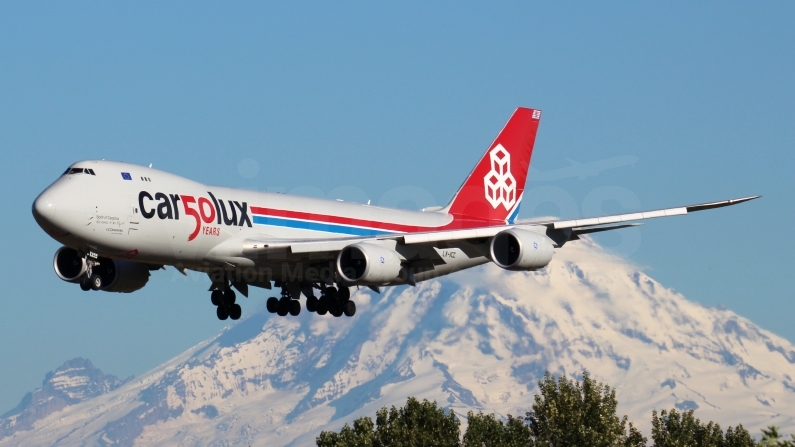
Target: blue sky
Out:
[395,104]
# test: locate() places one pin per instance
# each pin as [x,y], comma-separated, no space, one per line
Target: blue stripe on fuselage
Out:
[512,218]
[318,226]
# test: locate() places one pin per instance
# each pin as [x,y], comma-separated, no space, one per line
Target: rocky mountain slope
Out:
[474,340]
[73,382]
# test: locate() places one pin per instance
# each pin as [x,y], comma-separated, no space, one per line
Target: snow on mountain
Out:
[75,381]
[479,340]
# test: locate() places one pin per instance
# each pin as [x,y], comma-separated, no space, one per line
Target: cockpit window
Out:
[71,171]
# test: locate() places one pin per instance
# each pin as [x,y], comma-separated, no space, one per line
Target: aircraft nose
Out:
[44,209]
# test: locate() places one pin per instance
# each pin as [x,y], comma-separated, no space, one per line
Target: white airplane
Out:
[119,221]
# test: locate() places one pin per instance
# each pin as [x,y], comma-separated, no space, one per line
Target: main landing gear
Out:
[335,301]
[225,301]
[284,305]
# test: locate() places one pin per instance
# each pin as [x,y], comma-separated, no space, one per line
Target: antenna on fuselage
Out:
[150,165]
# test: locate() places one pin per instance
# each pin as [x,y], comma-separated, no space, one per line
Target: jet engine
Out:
[117,275]
[368,264]
[518,249]
[69,265]
[121,276]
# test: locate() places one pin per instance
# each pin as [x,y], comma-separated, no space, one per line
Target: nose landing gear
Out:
[91,279]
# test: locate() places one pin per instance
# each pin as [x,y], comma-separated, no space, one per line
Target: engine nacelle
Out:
[117,275]
[69,265]
[121,276]
[368,264]
[517,249]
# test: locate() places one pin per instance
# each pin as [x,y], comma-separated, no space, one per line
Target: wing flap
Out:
[579,231]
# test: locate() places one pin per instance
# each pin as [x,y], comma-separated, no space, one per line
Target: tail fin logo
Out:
[499,182]
[493,190]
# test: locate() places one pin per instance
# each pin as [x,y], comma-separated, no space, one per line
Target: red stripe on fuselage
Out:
[456,224]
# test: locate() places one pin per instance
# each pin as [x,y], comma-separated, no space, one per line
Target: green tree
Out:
[361,435]
[565,413]
[772,438]
[573,413]
[416,424]
[485,430]
[675,429]
[738,437]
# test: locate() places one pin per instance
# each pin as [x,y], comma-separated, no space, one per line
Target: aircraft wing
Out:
[568,229]
[578,226]
[593,221]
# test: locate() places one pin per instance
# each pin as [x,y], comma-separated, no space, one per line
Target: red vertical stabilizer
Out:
[493,191]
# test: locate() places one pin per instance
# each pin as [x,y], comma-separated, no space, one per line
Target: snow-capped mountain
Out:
[73,382]
[474,340]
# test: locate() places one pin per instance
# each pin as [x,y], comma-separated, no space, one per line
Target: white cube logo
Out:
[499,182]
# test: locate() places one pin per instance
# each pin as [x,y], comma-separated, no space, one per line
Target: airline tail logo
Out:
[499,182]
[492,192]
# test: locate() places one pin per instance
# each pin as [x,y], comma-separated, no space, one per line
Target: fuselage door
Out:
[133,221]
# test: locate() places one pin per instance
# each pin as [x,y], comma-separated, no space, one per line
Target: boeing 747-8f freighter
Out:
[119,221]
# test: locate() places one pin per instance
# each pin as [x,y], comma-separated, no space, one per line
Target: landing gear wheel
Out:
[235,311]
[349,309]
[344,294]
[272,304]
[295,307]
[222,313]
[84,285]
[283,307]
[217,297]
[322,306]
[95,282]
[312,303]
[229,297]
[336,310]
